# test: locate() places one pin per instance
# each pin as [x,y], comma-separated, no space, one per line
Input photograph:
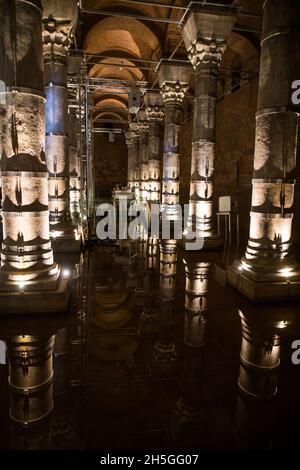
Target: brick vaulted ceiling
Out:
[126,39]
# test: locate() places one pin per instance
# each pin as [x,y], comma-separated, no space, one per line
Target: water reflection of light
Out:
[56,234]
[282,324]
[286,272]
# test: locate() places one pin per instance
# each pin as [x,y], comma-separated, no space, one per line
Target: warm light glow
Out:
[286,272]
[282,324]
[56,234]
[66,273]
[21,278]
[244,265]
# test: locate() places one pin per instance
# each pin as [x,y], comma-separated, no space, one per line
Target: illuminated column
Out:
[164,348]
[143,128]
[30,379]
[260,359]
[174,82]
[205,33]
[26,258]
[155,114]
[268,271]
[134,158]
[131,163]
[74,166]
[58,22]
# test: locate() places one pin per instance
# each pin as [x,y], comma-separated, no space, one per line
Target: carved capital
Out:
[154,106]
[56,36]
[134,130]
[206,31]
[173,92]
[201,53]
[56,39]
[155,113]
[142,122]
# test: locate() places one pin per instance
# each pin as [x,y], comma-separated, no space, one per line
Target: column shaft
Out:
[143,154]
[268,269]
[155,115]
[74,166]
[26,256]
[174,82]
[205,34]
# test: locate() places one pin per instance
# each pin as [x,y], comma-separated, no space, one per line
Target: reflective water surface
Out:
[155,353]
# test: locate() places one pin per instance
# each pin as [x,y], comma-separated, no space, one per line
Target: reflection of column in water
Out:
[61,353]
[165,349]
[260,358]
[139,299]
[63,431]
[196,291]
[187,408]
[30,377]
[31,390]
[149,314]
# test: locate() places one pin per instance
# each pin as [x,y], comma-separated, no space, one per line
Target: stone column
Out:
[174,82]
[27,265]
[155,114]
[130,165]
[143,128]
[134,158]
[74,167]
[205,33]
[58,22]
[257,382]
[268,271]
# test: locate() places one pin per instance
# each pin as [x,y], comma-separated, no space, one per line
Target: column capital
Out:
[173,92]
[56,37]
[206,54]
[128,138]
[59,21]
[154,106]
[142,122]
[205,34]
[134,129]
[174,82]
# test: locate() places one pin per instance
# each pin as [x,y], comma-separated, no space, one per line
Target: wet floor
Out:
[156,353]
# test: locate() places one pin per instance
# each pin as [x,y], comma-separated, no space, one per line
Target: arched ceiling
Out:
[122,45]
[122,69]
[123,40]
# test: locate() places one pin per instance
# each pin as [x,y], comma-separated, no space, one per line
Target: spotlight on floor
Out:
[66,273]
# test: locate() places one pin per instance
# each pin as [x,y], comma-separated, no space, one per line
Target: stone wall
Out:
[110,163]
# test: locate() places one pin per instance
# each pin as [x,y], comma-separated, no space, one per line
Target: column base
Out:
[211,243]
[66,245]
[19,302]
[65,238]
[148,321]
[259,286]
